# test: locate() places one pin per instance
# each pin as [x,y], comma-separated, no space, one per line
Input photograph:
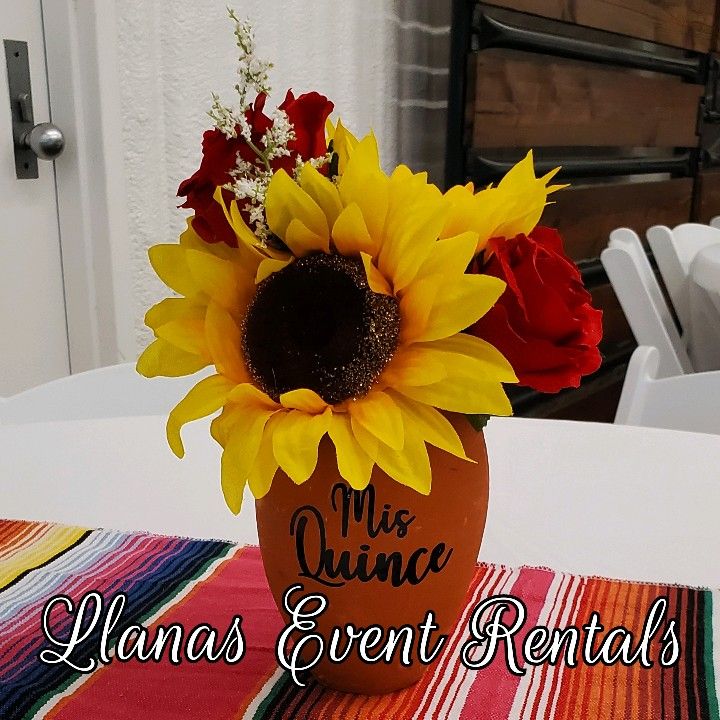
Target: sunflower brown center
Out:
[316,324]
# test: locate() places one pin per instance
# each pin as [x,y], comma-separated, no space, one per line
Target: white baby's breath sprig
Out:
[250,183]
[253,78]
[277,137]
[225,119]
[253,73]
[317,163]
[250,180]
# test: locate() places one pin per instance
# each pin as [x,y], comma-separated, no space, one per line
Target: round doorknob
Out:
[45,140]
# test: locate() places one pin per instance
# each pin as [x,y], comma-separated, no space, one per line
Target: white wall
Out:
[173,54]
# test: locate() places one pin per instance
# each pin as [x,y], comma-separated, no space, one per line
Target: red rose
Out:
[544,322]
[307,114]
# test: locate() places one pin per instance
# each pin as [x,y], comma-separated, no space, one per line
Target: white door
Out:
[33,326]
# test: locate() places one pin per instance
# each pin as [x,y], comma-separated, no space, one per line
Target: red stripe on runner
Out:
[496,681]
[165,692]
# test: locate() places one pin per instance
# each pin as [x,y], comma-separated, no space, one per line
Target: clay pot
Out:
[430,546]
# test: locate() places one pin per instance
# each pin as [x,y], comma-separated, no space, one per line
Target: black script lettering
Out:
[334,568]
[360,504]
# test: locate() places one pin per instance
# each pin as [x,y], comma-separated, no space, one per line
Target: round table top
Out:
[609,500]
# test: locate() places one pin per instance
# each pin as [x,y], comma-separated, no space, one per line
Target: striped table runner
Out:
[170,580]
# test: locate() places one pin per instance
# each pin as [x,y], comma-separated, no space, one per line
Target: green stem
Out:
[261,155]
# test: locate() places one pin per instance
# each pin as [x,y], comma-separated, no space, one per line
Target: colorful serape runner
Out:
[170,580]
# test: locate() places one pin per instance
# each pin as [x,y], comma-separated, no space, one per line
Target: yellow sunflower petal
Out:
[470,355]
[295,443]
[412,366]
[323,191]
[240,430]
[471,396]
[286,201]
[265,465]
[450,258]
[344,143]
[208,396]
[411,237]
[186,333]
[411,465]
[303,399]
[354,464]
[432,425]
[171,266]
[302,241]
[463,214]
[246,237]
[224,341]
[379,415]
[241,452]
[172,308]
[366,440]
[416,303]
[190,240]
[350,234]
[248,394]
[375,278]
[161,359]
[241,397]
[364,183]
[247,242]
[520,199]
[232,483]
[269,266]
[459,304]
[218,279]
[222,425]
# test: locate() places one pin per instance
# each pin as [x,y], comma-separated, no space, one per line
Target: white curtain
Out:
[423,51]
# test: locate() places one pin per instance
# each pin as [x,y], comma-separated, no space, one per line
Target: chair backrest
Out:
[674,273]
[642,301]
[684,402]
[715,222]
[704,301]
[691,238]
[705,268]
[114,391]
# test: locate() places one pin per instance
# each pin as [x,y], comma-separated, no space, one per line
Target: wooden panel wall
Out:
[586,215]
[708,195]
[683,23]
[529,100]
[571,108]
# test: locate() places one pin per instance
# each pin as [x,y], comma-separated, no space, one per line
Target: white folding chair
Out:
[674,251]
[683,402]
[114,391]
[704,296]
[642,301]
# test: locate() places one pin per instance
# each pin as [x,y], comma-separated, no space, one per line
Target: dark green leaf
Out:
[478,421]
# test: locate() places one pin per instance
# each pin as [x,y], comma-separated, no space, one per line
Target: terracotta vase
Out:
[384,557]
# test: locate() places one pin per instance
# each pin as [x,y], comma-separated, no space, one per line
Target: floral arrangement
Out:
[334,299]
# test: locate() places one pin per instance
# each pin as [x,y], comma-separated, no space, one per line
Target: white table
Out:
[615,501]
[704,298]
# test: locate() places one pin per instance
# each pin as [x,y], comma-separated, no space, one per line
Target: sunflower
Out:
[353,329]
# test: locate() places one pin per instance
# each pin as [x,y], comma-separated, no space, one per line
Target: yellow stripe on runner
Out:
[55,541]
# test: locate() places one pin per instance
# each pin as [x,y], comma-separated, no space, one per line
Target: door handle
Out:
[46,140]
[32,141]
